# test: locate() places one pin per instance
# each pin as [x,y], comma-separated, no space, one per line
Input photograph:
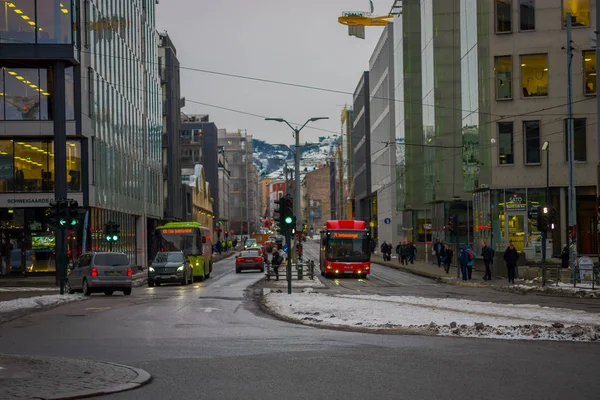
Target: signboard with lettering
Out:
[25,200]
[176,231]
[586,268]
[515,203]
[338,235]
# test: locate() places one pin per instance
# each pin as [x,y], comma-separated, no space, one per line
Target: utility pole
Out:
[598,129]
[60,166]
[246,160]
[571,149]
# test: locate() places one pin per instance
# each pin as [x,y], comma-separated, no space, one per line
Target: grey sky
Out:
[297,41]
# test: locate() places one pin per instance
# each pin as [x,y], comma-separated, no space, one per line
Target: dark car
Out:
[170,266]
[249,260]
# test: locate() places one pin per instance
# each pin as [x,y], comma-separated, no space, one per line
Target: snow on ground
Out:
[305,283]
[28,289]
[37,302]
[448,317]
[584,291]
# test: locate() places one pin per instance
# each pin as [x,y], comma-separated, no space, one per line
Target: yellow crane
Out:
[357,20]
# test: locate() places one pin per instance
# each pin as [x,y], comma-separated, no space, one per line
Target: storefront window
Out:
[514,220]
[535,199]
[6,166]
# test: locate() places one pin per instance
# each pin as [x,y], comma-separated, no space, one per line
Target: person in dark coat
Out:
[463,261]
[511,256]
[413,251]
[276,261]
[564,257]
[447,258]
[488,257]
[437,248]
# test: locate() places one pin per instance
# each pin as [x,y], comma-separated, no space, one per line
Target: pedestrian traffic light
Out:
[73,213]
[112,232]
[553,221]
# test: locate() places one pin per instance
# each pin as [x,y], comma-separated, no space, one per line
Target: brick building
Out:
[315,204]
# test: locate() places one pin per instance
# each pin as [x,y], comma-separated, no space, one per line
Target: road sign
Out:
[387,221]
[285,248]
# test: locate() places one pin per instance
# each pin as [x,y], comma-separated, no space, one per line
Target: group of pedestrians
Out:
[444,254]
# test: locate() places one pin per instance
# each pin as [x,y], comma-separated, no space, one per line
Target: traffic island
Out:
[432,316]
[28,377]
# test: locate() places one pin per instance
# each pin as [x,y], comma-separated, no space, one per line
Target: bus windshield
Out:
[348,246]
[184,239]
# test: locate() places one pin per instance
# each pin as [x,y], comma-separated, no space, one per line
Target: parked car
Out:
[100,272]
[170,266]
[249,260]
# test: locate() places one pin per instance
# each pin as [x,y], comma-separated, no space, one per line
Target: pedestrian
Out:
[399,252]
[383,249]
[471,262]
[463,261]
[564,257]
[511,256]
[437,249]
[488,258]
[219,247]
[276,261]
[447,258]
[413,251]
[405,253]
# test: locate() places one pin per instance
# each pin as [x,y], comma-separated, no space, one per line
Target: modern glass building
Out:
[112,113]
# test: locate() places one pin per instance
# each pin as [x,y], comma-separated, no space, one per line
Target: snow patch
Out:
[305,283]
[28,289]
[447,317]
[37,302]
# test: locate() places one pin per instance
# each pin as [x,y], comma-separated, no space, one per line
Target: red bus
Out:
[345,249]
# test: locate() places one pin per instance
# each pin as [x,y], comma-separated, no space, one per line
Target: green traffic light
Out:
[115,238]
[288,220]
[62,222]
[108,238]
[73,222]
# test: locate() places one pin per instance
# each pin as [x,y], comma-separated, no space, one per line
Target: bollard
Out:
[311,269]
[299,266]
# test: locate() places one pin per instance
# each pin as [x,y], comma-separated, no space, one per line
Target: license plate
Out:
[112,273]
[249,261]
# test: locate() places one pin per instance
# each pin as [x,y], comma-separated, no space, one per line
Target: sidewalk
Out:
[522,286]
[25,377]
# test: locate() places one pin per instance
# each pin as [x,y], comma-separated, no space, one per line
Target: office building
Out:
[383,137]
[113,129]
[173,190]
[199,145]
[224,177]
[316,205]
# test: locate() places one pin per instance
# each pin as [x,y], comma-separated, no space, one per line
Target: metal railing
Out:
[298,270]
[554,274]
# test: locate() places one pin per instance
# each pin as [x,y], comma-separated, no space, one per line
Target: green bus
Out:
[194,240]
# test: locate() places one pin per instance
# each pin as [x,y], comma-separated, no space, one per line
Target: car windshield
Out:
[111,259]
[250,242]
[168,257]
[248,254]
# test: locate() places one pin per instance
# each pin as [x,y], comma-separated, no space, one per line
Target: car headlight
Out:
[180,268]
[150,269]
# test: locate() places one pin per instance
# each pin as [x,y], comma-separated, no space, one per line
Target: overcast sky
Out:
[295,41]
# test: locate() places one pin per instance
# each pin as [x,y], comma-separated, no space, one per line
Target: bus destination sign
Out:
[175,231]
[338,235]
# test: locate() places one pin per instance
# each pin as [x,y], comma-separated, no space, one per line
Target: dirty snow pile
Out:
[28,289]
[433,316]
[304,283]
[37,302]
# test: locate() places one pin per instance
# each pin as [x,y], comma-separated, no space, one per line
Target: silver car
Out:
[101,272]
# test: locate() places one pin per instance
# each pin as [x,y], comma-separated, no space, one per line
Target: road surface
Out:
[210,341]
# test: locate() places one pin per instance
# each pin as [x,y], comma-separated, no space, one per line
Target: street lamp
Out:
[296,157]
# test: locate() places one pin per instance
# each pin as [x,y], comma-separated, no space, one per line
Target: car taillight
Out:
[258,259]
[129,272]
[94,271]
[240,259]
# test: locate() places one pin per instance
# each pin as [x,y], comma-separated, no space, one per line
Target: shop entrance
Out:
[516,229]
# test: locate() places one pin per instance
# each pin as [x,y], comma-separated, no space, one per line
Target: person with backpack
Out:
[471,256]
[488,257]
[463,262]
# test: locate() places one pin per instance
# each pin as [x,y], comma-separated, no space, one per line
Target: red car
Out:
[249,260]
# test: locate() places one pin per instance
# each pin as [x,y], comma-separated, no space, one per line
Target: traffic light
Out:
[277,211]
[452,220]
[553,221]
[287,212]
[73,213]
[63,213]
[543,218]
[52,214]
[112,232]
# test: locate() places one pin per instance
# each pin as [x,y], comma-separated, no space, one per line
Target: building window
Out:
[23,93]
[31,21]
[531,130]
[579,130]
[505,143]
[580,12]
[503,16]
[589,72]
[534,75]
[527,15]
[504,78]
[54,21]
[74,166]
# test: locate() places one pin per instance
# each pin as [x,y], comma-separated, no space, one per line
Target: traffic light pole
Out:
[60,165]
[288,267]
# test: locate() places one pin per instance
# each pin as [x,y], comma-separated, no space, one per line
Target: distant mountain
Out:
[270,159]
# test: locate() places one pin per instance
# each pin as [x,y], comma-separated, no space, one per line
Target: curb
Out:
[142,379]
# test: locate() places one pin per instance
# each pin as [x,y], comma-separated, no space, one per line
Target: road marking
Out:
[209,309]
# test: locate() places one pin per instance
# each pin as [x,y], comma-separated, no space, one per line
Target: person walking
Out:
[405,252]
[447,258]
[471,263]
[437,248]
[488,257]
[463,262]
[564,257]
[412,251]
[276,262]
[511,256]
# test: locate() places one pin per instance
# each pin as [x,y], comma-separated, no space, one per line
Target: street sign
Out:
[285,248]
[387,221]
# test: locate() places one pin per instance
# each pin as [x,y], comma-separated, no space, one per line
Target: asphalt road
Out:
[210,341]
